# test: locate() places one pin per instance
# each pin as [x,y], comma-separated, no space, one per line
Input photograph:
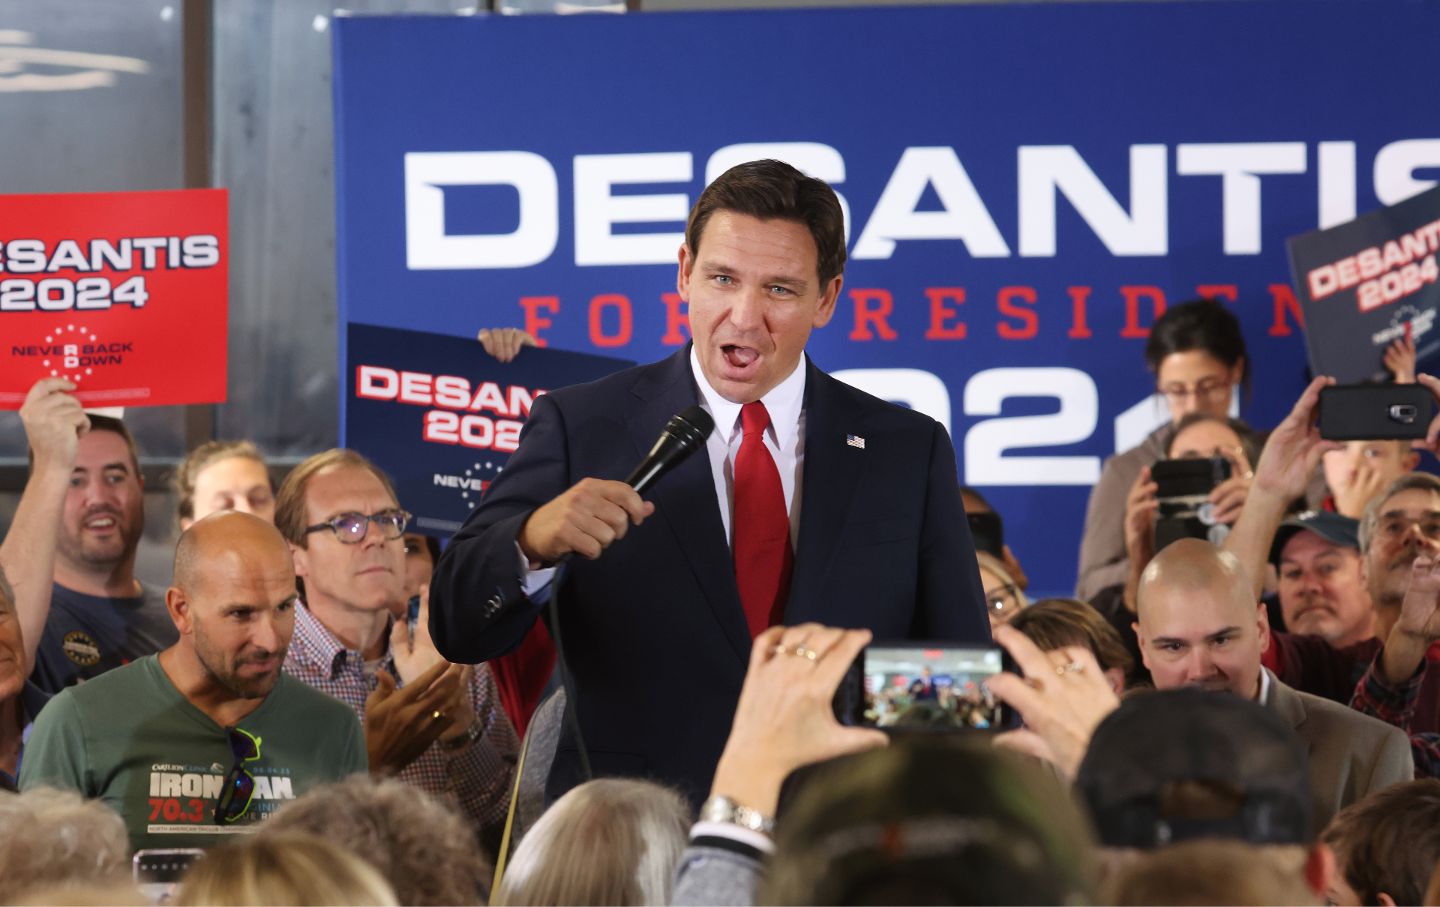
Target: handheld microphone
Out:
[683,435]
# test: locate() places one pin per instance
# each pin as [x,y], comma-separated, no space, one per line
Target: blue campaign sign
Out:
[1026,185]
[441,417]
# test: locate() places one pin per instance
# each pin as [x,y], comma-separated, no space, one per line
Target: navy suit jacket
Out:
[655,636]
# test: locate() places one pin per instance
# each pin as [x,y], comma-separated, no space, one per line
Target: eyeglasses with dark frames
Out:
[239,787]
[351,528]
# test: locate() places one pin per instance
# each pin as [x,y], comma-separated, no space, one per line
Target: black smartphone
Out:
[157,871]
[412,613]
[988,533]
[1375,412]
[1183,493]
[924,686]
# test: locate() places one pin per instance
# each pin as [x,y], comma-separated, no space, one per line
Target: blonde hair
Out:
[613,842]
[201,459]
[272,870]
[48,836]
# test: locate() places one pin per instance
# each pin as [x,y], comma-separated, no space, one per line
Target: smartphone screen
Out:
[924,687]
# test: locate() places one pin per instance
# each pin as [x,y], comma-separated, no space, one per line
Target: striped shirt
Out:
[475,777]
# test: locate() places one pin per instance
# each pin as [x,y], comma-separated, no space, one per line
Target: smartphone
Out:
[915,686]
[157,872]
[988,533]
[1183,493]
[412,613]
[1375,412]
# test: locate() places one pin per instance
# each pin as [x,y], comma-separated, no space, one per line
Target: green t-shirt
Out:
[131,739]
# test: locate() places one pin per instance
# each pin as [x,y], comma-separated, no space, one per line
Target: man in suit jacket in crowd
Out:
[821,503]
[1199,625]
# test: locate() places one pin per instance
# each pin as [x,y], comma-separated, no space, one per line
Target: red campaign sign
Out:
[124,293]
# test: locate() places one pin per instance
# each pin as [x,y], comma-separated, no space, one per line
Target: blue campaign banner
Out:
[441,417]
[1026,185]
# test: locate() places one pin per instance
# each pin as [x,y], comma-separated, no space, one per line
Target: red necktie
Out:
[763,559]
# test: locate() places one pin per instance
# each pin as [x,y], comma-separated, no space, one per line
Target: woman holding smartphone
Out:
[1197,354]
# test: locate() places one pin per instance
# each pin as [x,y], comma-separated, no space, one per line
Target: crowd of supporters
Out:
[1244,714]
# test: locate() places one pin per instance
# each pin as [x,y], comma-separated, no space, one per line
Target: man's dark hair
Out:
[114,426]
[1389,842]
[773,190]
[1200,324]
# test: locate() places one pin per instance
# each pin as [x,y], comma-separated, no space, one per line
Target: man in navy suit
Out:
[662,599]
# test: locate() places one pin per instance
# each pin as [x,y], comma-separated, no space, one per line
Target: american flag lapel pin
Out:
[855,441]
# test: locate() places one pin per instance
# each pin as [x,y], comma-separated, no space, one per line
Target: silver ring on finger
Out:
[1070,667]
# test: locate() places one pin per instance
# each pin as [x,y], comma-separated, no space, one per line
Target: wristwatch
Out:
[455,744]
[723,809]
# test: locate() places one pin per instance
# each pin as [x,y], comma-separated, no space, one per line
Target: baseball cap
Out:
[1334,528]
[1142,754]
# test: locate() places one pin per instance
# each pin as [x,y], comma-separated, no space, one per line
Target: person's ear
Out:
[1262,620]
[1320,868]
[301,557]
[1385,900]
[1116,678]
[682,275]
[1237,371]
[1143,643]
[177,604]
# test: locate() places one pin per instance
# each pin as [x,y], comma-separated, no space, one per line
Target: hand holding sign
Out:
[54,422]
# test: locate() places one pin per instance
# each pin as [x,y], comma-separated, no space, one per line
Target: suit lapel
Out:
[685,499]
[832,470]
[1285,702]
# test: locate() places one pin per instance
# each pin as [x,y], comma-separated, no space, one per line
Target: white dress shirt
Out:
[785,439]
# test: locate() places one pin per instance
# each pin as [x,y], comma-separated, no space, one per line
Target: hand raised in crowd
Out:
[413,649]
[54,422]
[1400,360]
[1294,448]
[785,717]
[504,343]
[1063,696]
[1351,495]
[400,724]
[584,519]
[1418,625]
[1140,509]
[1228,498]
[1432,436]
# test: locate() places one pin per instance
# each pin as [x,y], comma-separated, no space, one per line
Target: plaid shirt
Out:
[1395,704]
[476,777]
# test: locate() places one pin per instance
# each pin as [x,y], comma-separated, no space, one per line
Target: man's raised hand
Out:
[54,422]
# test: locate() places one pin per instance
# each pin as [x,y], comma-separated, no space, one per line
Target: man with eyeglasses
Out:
[435,725]
[70,551]
[209,736]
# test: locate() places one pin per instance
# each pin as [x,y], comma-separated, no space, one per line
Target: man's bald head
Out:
[1199,623]
[1195,564]
[227,535]
[233,600]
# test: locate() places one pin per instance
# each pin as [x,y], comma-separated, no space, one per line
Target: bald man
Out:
[1199,625]
[208,736]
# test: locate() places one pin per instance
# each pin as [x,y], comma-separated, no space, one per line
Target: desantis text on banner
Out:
[123,294]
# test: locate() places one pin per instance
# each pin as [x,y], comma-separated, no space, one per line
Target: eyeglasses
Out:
[1393,526]
[239,787]
[1205,391]
[1003,602]
[351,528]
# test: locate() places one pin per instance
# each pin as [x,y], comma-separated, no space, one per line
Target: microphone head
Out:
[690,427]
